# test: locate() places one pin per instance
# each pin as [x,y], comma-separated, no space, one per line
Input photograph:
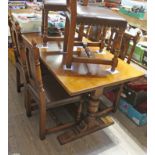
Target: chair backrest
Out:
[128,44]
[33,66]
[11,31]
[15,32]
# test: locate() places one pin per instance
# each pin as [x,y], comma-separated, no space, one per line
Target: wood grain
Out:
[73,82]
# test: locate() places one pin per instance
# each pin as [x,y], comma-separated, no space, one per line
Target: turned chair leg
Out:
[66,34]
[45,28]
[42,26]
[102,37]
[70,43]
[42,118]
[81,32]
[79,111]
[115,62]
[27,102]
[18,80]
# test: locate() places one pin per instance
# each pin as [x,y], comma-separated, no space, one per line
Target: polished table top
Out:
[74,82]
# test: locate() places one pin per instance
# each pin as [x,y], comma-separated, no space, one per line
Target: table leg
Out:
[93,107]
[89,124]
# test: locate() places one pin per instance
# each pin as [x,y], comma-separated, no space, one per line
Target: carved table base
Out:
[89,124]
[84,128]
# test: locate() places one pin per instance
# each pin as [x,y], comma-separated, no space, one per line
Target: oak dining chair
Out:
[45,91]
[129,43]
[17,41]
[85,14]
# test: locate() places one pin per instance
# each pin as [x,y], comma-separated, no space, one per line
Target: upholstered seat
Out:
[56,5]
[98,15]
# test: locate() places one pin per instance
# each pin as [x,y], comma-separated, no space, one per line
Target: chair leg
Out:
[42,26]
[45,28]
[70,44]
[66,34]
[80,35]
[79,111]
[114,62]
[42,118]
[102,37]
[18,80]
[27,101]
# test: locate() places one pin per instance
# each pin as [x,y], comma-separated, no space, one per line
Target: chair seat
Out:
[56,5]
[99,15]
[55,94]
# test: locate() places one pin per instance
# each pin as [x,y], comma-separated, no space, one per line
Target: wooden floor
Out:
[122,138]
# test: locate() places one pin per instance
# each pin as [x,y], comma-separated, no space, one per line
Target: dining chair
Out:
[45,91]
[18,52]
[84,14]
[127,49]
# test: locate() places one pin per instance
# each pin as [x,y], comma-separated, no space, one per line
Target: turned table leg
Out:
[93,107]
[89,124]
